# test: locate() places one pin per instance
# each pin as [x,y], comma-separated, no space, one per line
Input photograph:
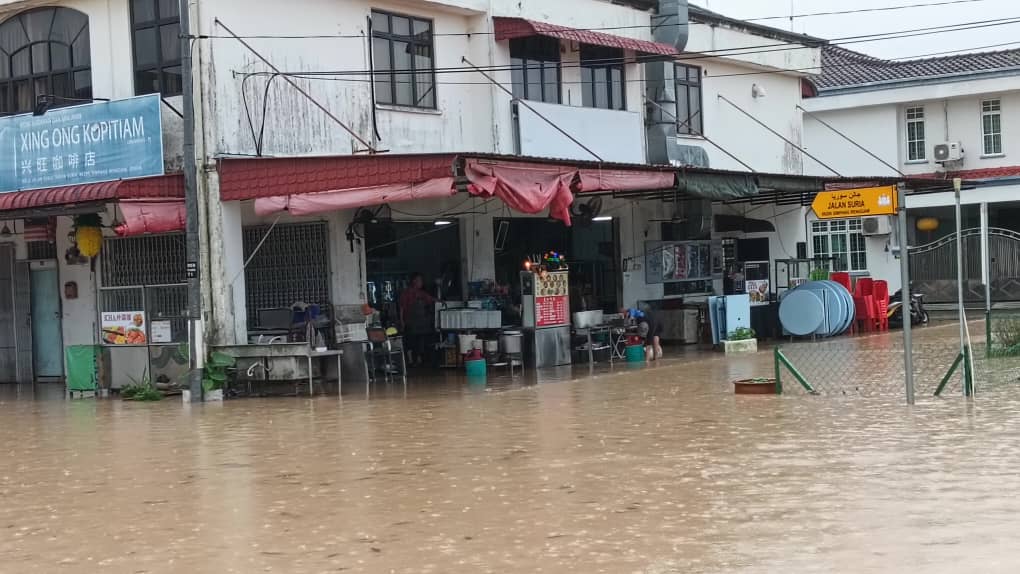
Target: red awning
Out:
[534,187]
[141,217]
[324,202]
[162,187]
[251,178]
[510,28]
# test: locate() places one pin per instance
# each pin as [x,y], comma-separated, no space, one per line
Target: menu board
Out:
[552,302]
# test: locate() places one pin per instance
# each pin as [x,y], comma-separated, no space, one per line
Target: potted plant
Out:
[756,386]
[742,340]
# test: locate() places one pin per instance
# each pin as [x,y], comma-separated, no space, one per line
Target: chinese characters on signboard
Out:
[858,202]
[124,328]
[91,143]
[552,300]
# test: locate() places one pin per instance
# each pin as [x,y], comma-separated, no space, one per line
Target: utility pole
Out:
[193,254]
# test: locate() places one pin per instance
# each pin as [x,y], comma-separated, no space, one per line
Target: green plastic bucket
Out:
[636,354]
[475,368]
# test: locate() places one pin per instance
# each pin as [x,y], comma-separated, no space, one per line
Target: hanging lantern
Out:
[88,234]
[927,224]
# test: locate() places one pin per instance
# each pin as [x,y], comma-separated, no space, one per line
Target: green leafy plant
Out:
[819,274]
[214,376]
[742,334]
[1006,337]
[141,390]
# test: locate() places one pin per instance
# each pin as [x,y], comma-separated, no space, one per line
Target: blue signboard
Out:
[96,142]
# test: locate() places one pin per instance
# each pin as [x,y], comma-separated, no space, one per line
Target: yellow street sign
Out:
[859,202]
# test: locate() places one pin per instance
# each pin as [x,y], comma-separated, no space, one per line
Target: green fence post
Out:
[949,375]
[988,334]
[796,374]
[779,371]
[968,373]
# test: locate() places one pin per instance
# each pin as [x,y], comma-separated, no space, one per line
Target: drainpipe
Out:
[669,26]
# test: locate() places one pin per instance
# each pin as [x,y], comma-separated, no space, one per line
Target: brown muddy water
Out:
[659,470]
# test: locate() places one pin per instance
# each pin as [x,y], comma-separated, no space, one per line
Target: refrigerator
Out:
[545,302]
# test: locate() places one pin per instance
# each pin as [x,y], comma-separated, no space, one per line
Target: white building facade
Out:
[287,106]
[944,118]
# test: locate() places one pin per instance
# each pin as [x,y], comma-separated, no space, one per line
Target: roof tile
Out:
[842,68]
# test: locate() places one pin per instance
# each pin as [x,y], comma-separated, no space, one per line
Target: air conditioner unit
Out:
[949,151]
[877,225]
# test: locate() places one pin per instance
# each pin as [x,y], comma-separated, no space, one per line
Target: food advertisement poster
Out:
[124,328]
[758,290]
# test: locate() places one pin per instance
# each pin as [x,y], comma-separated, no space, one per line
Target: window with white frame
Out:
[991,126]
[843,240]
[915,134]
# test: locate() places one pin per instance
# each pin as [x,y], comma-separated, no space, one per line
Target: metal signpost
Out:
[908,349]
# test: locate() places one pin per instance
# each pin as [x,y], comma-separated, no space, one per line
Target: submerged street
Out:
[655,470]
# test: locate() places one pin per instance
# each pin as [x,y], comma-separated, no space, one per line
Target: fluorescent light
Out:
[442,222]
[603,218]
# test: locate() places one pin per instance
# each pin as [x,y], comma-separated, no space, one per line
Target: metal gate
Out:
[933,267]
[15,319]
[291,265]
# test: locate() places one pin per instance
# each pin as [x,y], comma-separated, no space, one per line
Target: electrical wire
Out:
[902,59]
[749,50]
[862,10]
[584,29]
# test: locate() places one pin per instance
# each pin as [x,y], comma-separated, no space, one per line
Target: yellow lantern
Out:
[88,234]
[927,224]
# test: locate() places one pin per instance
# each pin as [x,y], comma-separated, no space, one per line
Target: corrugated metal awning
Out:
[510,28]
[162,187]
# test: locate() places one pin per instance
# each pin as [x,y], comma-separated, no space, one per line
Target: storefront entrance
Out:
[47,336]
[591,251]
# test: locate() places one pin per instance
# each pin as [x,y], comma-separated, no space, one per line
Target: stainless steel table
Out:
[312,355]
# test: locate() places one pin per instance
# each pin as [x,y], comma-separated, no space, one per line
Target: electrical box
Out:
[877,225]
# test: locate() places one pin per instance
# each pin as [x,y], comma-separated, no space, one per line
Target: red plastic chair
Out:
[865,286]
[843,278]
[864,315]
[881,294]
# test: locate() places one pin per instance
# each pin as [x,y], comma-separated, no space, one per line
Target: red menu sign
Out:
[551,311]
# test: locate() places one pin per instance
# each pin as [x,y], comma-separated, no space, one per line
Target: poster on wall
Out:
[682,261]
[758,291]
[162,332]
[124,328]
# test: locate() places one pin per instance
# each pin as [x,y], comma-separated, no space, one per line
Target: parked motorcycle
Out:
[918,314]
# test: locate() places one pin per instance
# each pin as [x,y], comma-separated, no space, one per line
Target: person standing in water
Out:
[650,329]
[416,313]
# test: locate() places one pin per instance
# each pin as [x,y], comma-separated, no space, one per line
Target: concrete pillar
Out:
[477,247]
[347,268]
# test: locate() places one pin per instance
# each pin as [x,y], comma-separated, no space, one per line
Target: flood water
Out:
[659,470]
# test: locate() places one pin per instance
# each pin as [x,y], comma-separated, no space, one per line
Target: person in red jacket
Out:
[416,316]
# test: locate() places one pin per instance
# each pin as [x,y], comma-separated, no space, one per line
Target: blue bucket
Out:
[636,354]
[475,368]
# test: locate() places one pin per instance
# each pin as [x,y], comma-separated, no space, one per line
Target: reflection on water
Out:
[661,470]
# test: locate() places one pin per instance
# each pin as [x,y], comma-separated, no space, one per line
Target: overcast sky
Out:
[846,25]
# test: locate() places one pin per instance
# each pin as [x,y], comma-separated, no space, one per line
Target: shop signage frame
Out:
[857,202]
[90,143]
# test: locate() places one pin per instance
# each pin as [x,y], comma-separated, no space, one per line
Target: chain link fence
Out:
[873,366]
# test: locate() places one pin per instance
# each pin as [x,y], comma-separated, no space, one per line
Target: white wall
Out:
[708,38]
[874,127]
[471,114]
[739,134]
